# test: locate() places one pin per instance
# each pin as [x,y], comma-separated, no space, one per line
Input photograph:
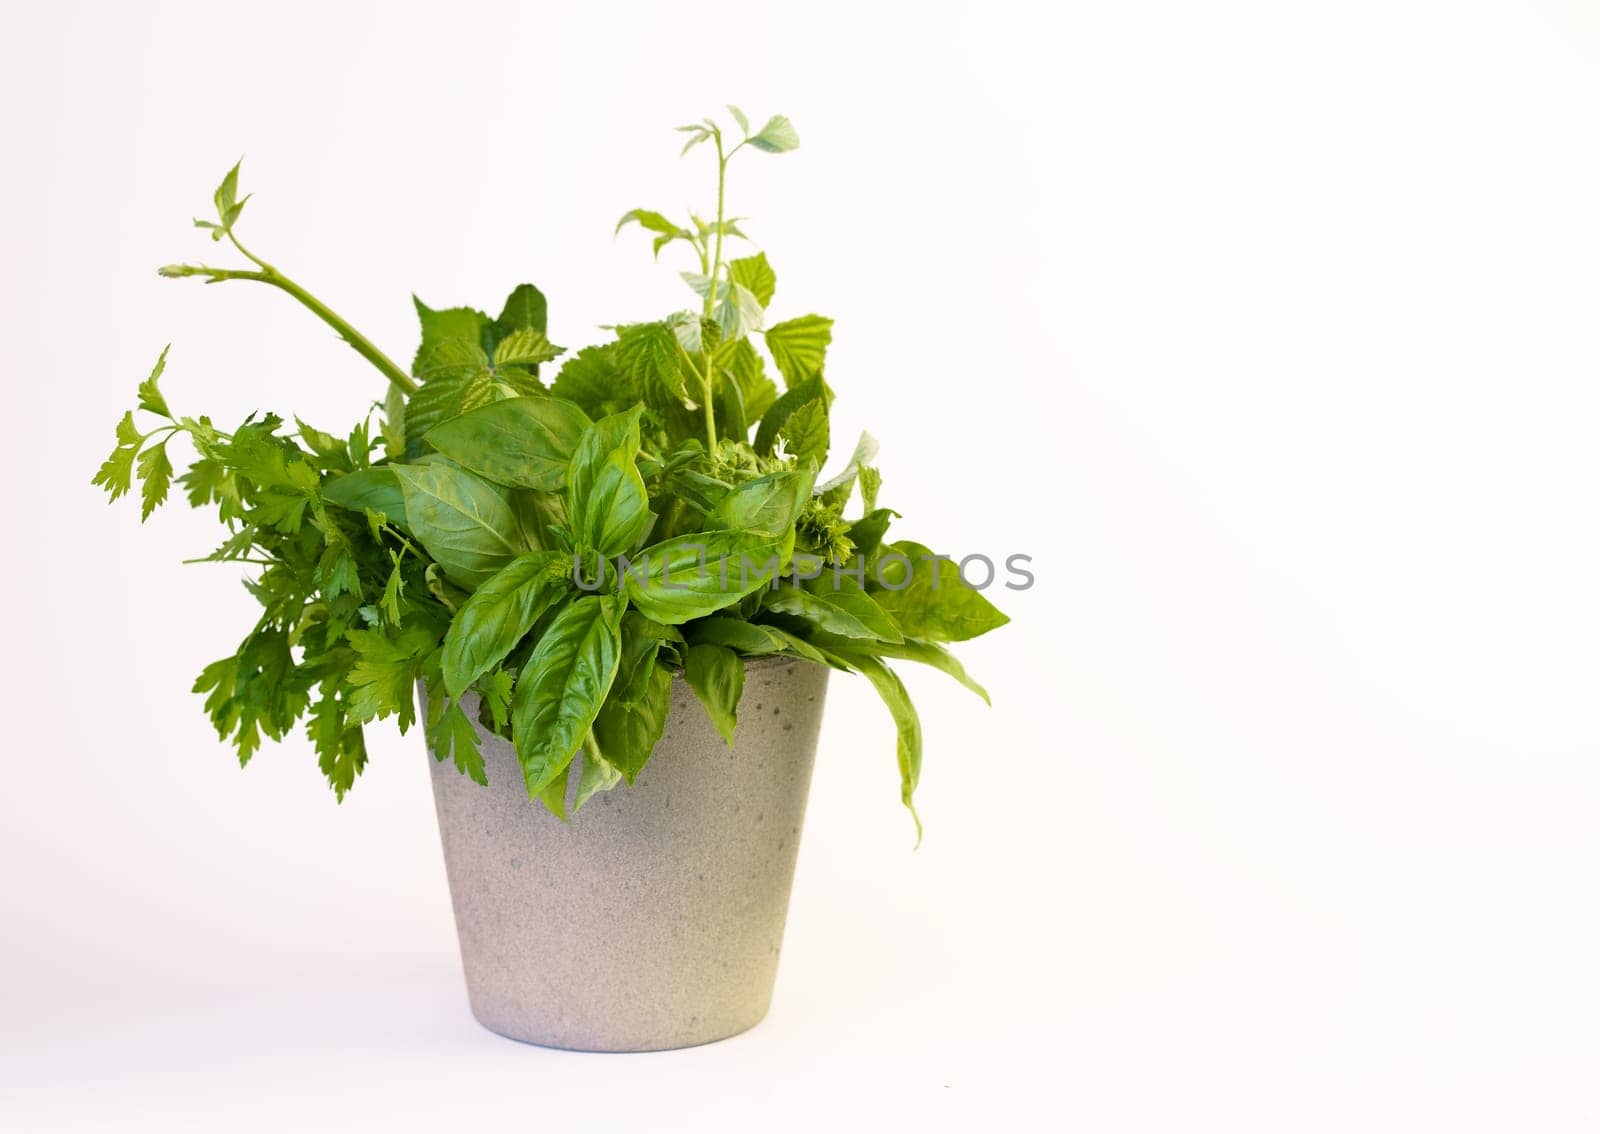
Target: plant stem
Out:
[711,292]
[267,274]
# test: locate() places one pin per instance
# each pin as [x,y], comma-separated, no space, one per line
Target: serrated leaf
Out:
[781,410]
[594,382]
[524,347]
[805,434]
[778,136]
[526,309]
[754,273]
[648,353]
[454,737]
[155,471]
[150,397]
[800,347]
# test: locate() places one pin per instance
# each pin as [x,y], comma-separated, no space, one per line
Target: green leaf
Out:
[755,274]
[716,675]
[495,690]
[155,471]
[524,348]
[927,598]
[867,533]
[594,382]
[383,680]
[606,497]
[738,312]
[598,775]
[800,347]
[641,645]
[499,614]
[464,323]
[805,433]
[836,490]
[768,504]
[518,442]
[456,377]
[454,737]
[778,136]
[753,639]
[628,732]
[834,602]
[694,575]
[649,355]
[738,116]
[908,727]
[116,472]
[525,309]
[871,482]
[563,685]
[373,489]
[652,221]
[341,747]
[927,653]
[739,361]
[781,410]
[150,397]
[462,521]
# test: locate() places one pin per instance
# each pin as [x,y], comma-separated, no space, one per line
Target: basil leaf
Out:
[907,725]
[928,653]
[606,498]
[867,533]
[751,638]
[927,597]
[691,576]
[628,732]
[768,504]
[500,612]
[716,675]
[461,520]
[799,347]
[518,442]
[598,774]
[563,685]
[835,603]
[376,489]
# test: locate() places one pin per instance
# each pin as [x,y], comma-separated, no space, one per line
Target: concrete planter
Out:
[654,918]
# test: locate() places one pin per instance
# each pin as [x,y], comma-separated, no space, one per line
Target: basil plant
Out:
[543,539]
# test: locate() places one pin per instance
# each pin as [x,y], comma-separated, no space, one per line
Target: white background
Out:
[1269,330]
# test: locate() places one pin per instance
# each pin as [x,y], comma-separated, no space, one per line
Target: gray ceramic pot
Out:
[654,918]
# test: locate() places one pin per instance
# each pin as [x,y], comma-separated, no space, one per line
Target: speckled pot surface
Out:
[654,918]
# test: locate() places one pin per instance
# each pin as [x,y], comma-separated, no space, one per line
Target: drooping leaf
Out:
[907,725]
[518,442]
[716,675]
[628,732]
[836,603]
[752,639]
[453,736]
[563,685]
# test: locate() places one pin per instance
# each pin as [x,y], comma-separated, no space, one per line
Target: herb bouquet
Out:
[544,540]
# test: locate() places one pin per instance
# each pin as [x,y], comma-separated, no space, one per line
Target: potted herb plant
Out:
[609,586]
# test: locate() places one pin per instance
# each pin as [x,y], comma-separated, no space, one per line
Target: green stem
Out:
[267,274]
[711,292]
